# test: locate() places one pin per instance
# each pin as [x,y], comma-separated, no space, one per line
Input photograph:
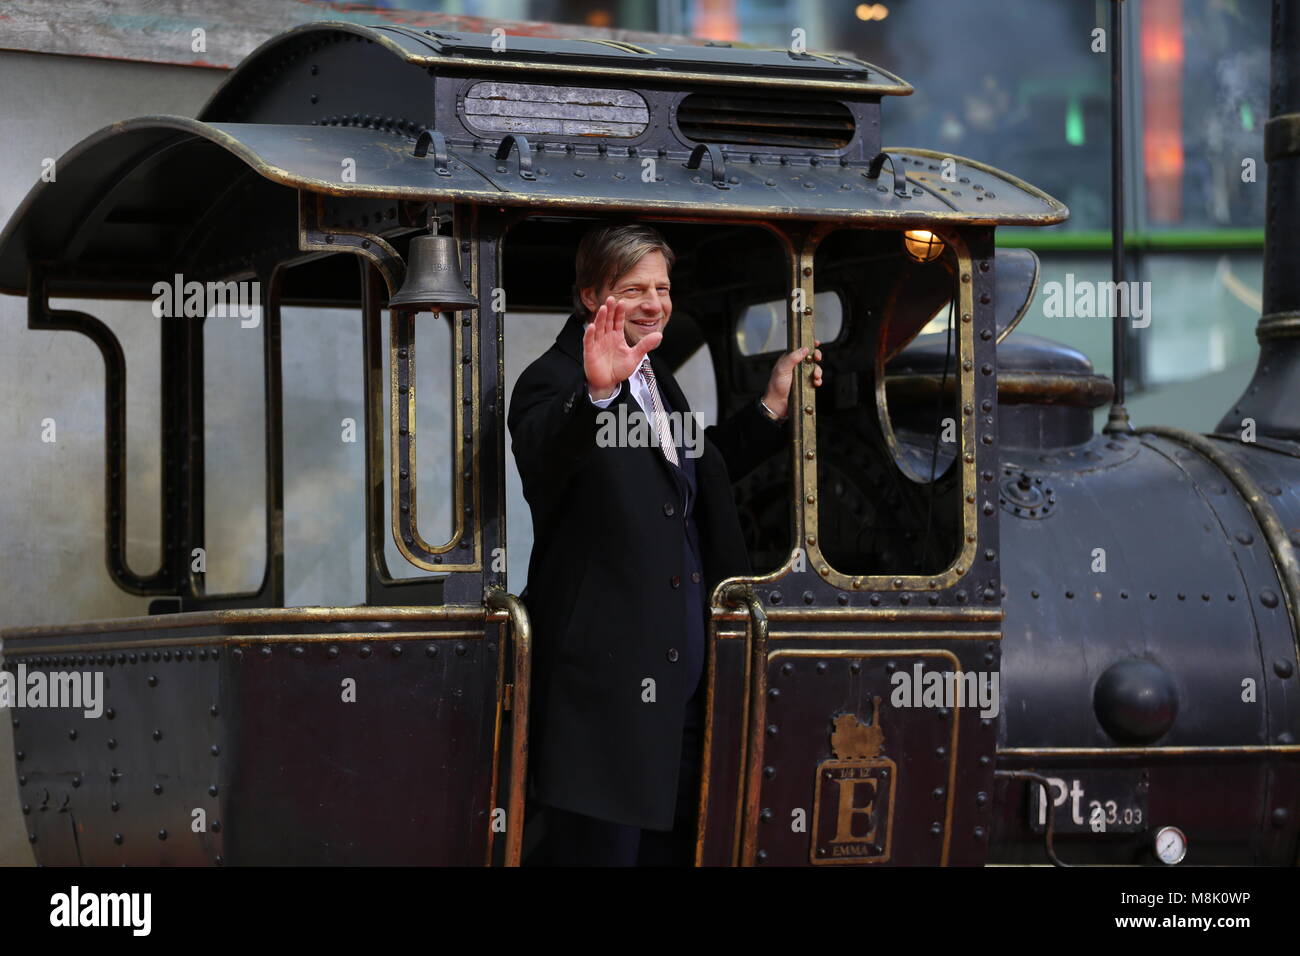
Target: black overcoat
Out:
[606,590]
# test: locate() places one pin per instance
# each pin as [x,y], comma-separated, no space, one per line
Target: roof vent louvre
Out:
[807,123]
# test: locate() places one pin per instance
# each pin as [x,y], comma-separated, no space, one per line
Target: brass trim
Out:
[401,338]
[1225,751]
[752,739]
[804,445]
[463,457]
[641,206]
[659,75]
[1016,388]
[237,616]
[619,45]
[521,631]
[205,640]
[926,635]
[1278,325]
[909,614]
[988,170]
[313,236]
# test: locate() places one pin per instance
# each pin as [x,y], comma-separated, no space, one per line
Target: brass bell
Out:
[433,279]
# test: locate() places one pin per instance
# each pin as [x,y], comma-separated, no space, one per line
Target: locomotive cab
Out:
[848,679]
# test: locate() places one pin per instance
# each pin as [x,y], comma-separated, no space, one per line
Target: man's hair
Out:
[607,252]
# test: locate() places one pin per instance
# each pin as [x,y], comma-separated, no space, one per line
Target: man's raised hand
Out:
[606,357]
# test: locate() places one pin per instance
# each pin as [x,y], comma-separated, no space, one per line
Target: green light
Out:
[1074,123]
[1247,117]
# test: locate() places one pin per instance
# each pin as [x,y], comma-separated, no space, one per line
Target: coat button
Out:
[668,509]
[675,581]
[672,655]
[695,576]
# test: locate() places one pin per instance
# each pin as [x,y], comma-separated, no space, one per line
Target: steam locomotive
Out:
[946,523]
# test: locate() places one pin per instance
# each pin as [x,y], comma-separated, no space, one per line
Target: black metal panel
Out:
[926,781]
[1180,590]
[406,775]
[250,723]
[128,783]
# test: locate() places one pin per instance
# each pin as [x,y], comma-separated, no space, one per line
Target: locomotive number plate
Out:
[1090,801]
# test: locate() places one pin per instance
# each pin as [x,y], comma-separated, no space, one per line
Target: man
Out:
[629,540]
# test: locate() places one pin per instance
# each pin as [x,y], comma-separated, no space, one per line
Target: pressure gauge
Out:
[1171,845]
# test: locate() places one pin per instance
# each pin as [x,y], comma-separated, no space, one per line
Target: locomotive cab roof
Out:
[561,126]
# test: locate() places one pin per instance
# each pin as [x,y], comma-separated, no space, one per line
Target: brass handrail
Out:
[521,630]
[735,595]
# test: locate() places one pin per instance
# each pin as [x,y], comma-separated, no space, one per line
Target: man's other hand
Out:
[777,396]
[606,356]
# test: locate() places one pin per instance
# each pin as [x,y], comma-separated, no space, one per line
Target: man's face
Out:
[644,288]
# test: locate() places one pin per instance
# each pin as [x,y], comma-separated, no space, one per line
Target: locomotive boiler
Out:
[978,631]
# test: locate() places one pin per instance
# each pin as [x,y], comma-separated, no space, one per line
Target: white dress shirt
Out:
[639,391]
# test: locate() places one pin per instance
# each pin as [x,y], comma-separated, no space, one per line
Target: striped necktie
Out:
[660,419]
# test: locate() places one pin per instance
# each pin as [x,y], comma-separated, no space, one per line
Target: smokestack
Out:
[1272,399]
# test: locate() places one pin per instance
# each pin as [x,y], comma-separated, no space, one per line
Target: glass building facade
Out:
[1025,86]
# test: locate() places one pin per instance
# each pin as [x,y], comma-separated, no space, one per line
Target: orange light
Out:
[922,245]
[871,11]
[1163,153]
[716,20]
